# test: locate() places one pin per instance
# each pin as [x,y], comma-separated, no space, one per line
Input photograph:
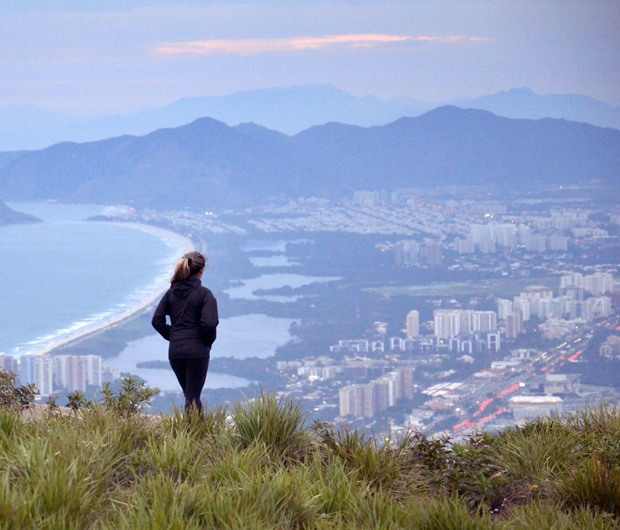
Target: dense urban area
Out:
[447,312]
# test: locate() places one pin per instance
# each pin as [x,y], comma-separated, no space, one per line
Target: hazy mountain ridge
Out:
[208,163]
[288,110]
[8,216]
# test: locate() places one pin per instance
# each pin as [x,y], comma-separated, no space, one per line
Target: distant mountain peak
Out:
[289,110]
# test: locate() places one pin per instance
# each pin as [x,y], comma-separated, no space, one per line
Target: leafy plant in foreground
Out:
[14,397]
[133,396]
[77,401]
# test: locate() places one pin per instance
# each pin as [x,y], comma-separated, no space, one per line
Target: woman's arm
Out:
[159,318]
[209,318]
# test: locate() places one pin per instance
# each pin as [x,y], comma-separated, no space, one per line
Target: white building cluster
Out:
[449,323]
[62,372]
[489,237]
[540,301]
[366,400]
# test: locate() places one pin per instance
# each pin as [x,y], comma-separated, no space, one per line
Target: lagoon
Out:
[240,337]
[247,289]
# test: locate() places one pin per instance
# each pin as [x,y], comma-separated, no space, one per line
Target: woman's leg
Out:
[195,377]
[179,369]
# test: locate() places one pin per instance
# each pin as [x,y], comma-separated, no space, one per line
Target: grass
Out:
[258,466]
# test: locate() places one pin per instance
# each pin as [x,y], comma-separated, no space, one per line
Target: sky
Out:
[120,56]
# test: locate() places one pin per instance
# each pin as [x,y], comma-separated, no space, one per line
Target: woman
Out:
[192,309]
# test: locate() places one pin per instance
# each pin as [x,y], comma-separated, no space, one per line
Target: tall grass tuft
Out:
[601,420]
[53,479]
[541,516]
[594,484]
[446,513]
[275,422]
[386,464]
[538,452]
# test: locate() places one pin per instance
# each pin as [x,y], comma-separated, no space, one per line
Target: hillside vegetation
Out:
[258,467]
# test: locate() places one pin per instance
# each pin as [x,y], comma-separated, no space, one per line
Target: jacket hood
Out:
[182,289]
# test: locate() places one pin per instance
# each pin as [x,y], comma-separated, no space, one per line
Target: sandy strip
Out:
[185,245]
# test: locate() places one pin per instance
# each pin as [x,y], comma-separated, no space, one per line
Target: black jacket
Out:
[192,309]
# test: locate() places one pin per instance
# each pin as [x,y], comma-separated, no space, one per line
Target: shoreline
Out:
[131,313]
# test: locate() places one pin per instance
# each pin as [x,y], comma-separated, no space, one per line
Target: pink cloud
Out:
[293,44]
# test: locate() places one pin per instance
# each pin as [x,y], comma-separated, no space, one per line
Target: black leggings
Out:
[192,374]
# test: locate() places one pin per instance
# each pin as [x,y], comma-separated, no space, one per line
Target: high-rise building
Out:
[523,233]
[485,321]
[514,324]
[600,307]
[493,341]
[407,253]
[347,400]
[452,322]
[413,324]
[406,384]
[536,243]
[94,370]
[367,199]
[574,293]
[506,235]
[447,323]
[37,369]
[487,246]
[535,293]
[369,399]
[75,372]
[503,308]
[580,309]
[478,233]
[574,279]
[8,364]
[464,246]
[599,283]
[558,243]
[523,305]
[434,254]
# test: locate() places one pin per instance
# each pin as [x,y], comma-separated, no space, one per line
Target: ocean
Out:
[66,276]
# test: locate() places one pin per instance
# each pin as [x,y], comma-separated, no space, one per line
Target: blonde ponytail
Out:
[190,264]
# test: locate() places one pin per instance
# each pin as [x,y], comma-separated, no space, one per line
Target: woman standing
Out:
[192,309]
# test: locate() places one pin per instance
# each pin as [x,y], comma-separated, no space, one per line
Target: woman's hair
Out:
[189,265]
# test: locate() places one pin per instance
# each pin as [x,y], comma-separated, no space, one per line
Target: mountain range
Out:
[288,110]
[210,164]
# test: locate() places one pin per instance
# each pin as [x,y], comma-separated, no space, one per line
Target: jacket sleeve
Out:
[209,318]
[159,318]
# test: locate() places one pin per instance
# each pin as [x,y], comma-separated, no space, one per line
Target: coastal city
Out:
[514,318]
